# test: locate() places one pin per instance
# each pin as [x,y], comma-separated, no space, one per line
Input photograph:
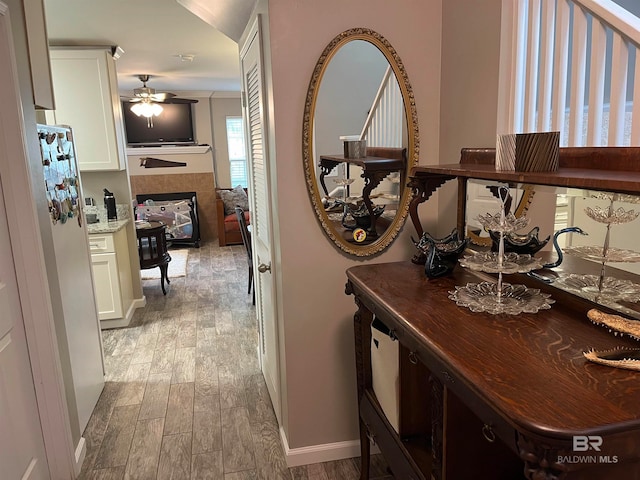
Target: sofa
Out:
[228,227]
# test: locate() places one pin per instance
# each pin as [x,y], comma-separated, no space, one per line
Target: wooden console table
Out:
[498,397]
[379,163]
[491,396]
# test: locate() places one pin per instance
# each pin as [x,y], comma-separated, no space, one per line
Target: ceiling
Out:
[153,33]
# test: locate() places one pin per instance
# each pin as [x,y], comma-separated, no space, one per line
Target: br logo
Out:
[583,443]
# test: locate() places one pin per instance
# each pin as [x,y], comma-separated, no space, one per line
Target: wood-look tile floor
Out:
[184,397]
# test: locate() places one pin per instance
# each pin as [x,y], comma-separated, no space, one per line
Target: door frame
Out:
[28,258]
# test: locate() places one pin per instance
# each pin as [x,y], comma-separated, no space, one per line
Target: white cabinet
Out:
[111,278]
[86,96]
[107,284]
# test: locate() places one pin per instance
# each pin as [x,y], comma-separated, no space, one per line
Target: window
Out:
[237,151]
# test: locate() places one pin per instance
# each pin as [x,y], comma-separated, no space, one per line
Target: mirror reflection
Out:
[360,140]
[587,238]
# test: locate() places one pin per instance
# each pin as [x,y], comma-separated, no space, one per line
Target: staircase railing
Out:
[384,124]
[571,66]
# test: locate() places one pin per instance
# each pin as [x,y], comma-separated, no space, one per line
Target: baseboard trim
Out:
[80,453]
[327,452]
[126,320]
[138,303]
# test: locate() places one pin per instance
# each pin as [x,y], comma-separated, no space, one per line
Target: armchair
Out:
[228,227]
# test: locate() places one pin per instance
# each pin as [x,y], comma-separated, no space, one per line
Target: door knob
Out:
[264,268]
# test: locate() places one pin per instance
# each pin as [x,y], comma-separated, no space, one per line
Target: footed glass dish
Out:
[511,262]
[512,299]
[501,297]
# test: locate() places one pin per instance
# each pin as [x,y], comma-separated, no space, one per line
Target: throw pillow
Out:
[232,198]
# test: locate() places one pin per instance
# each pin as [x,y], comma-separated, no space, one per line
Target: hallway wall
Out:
[317,317]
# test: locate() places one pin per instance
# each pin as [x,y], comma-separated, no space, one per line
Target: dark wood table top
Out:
[368,163]
[529,367]
[614,169]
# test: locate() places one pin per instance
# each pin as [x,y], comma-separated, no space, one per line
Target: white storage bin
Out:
[385,371]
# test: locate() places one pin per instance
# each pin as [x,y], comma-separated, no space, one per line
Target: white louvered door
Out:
[260,202]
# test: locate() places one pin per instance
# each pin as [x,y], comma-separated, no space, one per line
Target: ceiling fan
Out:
[146,101]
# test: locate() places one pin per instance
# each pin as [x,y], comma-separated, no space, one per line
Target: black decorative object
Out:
[360,215]
[525,244]
[442,253]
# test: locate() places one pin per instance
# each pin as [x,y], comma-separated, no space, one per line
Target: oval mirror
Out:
[360,140]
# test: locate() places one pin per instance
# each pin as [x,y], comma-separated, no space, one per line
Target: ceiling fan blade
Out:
[130,99]
[162,96]
[180,100]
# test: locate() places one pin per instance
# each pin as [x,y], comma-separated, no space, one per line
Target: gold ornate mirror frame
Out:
[411,117]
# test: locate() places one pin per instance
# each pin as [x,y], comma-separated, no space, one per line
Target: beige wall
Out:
[469,94]
[316,325]
[221,108]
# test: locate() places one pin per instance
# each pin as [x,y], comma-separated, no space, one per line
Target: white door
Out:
[21,443]
[22,453]
[260,198]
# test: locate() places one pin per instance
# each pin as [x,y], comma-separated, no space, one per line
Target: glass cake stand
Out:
[501,297]
[601,288]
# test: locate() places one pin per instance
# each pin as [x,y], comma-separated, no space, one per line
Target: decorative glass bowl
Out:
[506,224]
[513,300]
[512,263]
[611,216]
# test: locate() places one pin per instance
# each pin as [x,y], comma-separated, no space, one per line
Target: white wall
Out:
[319,395]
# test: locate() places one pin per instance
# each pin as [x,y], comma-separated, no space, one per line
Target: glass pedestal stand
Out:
[501,297]
[600,288]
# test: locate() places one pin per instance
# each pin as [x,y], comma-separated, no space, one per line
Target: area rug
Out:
[177,266]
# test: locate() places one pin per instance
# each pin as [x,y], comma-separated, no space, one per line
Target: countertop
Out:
[107,227]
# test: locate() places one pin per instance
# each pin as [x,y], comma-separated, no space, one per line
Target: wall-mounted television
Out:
[174,126]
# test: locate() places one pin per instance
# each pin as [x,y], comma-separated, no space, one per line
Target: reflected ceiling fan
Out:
[146,101]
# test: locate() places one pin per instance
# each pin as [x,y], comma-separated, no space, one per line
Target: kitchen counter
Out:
[107,226]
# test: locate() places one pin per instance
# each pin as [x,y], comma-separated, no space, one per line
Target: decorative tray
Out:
[512,263]
[595,253]
[514,299]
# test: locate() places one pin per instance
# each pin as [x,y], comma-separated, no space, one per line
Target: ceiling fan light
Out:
[146,109]
[156,109]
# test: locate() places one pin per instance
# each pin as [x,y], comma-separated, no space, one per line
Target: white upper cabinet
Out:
[86,96]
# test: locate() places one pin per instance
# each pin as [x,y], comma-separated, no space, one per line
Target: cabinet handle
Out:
[392,334]
[448,377]
[413,358]
[488,433]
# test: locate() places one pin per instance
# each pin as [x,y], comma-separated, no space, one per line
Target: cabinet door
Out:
[107,285]
[86,94]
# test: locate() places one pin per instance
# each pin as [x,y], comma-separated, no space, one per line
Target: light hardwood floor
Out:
[184,397]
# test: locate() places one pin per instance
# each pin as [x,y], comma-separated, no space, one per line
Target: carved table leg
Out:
[541,461]
[362,331]
[326,167]
[422,187]
[371,180]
